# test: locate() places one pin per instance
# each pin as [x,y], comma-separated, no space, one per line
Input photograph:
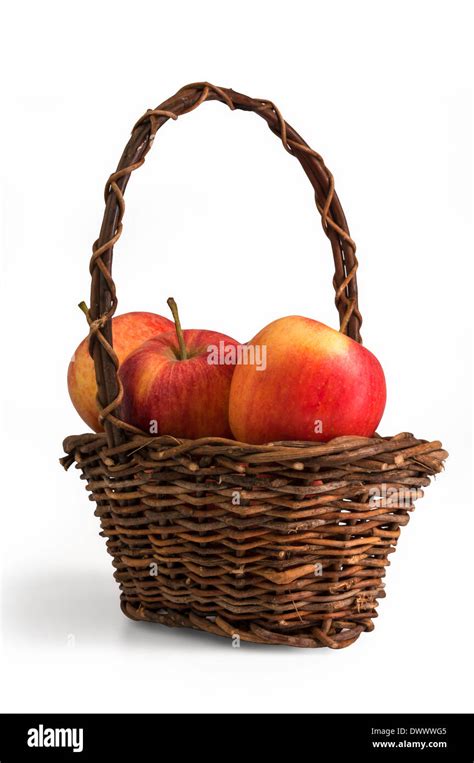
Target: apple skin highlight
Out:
[318,384]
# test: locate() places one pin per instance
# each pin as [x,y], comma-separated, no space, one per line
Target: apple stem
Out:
[179,331]
[82,305]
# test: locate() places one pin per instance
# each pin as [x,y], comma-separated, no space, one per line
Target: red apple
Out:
[317,384]
[178,383]
[129,330]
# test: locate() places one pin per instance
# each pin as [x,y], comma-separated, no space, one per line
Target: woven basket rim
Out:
[405,443]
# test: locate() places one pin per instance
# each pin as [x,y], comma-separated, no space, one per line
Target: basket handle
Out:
[103,293]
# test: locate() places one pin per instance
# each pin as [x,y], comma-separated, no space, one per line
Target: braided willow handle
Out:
[103,294]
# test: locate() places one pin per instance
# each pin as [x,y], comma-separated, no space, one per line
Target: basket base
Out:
[253,633]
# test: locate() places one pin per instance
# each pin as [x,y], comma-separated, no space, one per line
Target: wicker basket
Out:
[293,563]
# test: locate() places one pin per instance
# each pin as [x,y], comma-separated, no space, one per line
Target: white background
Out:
[223,219]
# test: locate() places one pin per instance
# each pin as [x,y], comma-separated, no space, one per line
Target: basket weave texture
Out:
[283,543]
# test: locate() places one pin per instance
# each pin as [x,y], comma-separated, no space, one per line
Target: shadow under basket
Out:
[284,543]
